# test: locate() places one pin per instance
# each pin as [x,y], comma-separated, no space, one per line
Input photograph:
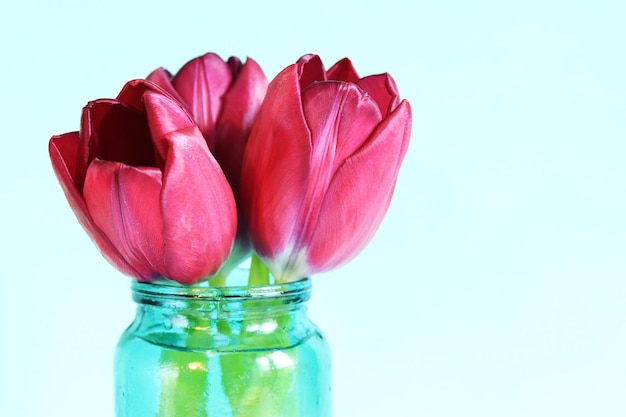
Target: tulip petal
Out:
[66,159]
[164,115]
[140,190]
[310,70]
[163,78]
[64,151]
[276,166]
[343,70]
[199,226]
[240,107]
[201,83]
[117,132]
[383,89]
[123,202]
[359,194]
[133,91]
[235,65]
[341,117]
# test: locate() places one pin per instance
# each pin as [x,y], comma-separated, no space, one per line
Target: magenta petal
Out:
[359,195]
[163,78]
[63,154]
[117,132]
[140,191]
[240,107]
[343,70]
[310,70]
[112,192]
[383,89]
[341,118]
[199,213]
[66,160]
[276,166]
[235,65]
[164,116]
[133,91]
[201,83]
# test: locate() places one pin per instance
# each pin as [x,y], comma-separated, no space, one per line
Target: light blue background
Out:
[495,286]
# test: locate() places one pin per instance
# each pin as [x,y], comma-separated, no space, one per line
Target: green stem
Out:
[218,280]
[255,385]
[270,391]
[184,371]
[184,393]
[259,272]
[185,381]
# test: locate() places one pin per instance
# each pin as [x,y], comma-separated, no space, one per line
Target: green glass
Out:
[206,351]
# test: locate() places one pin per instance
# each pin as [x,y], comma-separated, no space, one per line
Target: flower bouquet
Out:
[220,193]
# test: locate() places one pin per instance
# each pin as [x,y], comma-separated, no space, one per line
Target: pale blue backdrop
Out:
[495,286]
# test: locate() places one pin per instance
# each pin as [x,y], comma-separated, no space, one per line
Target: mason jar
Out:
[203,351]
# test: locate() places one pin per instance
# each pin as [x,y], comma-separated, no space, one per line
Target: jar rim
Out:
[171,290]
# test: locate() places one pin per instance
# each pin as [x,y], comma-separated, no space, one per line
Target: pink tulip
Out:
[223,99]
[321,165]
[144,185]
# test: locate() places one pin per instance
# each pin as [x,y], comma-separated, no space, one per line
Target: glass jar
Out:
[222,352]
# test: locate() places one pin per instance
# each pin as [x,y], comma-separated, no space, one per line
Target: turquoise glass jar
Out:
[222,352]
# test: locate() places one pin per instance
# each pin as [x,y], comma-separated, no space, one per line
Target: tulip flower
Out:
[223,99]
[142,182]
[321,165]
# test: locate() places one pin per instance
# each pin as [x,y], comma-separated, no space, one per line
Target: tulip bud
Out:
[321,165]
[144,185]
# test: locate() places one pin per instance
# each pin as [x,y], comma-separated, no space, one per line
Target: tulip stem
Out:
[218,280]
[259,272]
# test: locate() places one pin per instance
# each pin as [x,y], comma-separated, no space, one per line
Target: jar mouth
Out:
[143,291]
